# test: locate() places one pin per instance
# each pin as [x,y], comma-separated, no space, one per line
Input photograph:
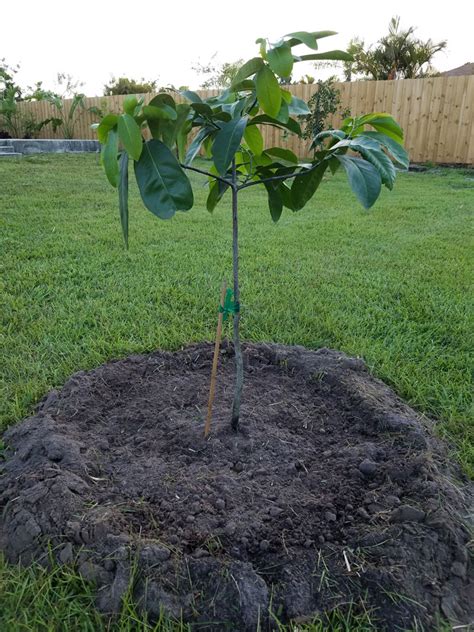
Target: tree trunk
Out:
[239,365]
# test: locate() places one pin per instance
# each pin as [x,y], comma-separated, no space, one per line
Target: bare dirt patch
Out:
[334,491]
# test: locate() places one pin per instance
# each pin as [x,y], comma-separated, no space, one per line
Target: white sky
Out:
[162,39]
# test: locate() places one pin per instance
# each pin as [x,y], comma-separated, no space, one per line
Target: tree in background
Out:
[125,85]
[218,76]
[323,103]
[397,55]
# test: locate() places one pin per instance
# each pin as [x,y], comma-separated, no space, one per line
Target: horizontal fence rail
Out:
[436,114]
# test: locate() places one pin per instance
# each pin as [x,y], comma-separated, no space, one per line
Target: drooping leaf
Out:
[384,123]
[268,91]
[107,123]
[337,134]
[182,139]
[310,39]
[280,60]
[262,119]
[130,135]
[298,107]
[246,84]
[284,113]
[364,179]
[163,185]
[286,95]
[251,67]
[195,146]
[123,195]
[227,142]
[285,155]
[304,186]
[203,109]
[394,148]
[129,104]
[191,96]
[159,112]
[109,157]
[285,192]
[370,149]
[275,202]
[337,55]
[254,139]
[163,98]
[216,193]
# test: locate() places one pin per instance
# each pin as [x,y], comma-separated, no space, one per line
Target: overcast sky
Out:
[162,39]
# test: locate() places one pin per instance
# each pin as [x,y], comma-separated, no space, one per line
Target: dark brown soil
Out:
[334,491]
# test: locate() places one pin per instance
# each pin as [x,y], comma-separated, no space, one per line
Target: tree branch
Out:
[206,173]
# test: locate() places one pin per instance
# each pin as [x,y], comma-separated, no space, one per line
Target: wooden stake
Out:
[212,389]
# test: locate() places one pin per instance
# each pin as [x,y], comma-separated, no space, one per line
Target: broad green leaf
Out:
[283,154]
[284,113]
[364,179]
[280,60]
[298,107]
[286,95]
[130,135]
[394,148]
[107,123]
[159,112]
[129,104]
[163,99]
[285,192]
[254,139]
[227,142]
[268,91]
[329,133]
[304,186]
[123,195]
[310,39]
[250,67]
[372,152]
[191,96]
[195,146]
[384,123]
[262,119]
[182,139]
[182,112]
[275,202]
[203,109]
[216,193]
[337,55]
[109,157]
[163,185]
[263,46]
[246,84]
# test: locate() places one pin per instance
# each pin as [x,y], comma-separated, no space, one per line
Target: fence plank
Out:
[437,114]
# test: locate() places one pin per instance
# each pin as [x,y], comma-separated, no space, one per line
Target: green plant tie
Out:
[230,307]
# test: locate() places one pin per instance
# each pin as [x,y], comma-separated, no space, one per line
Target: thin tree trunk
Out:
[239,365]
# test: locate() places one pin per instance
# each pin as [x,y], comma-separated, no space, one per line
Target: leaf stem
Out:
[206,173]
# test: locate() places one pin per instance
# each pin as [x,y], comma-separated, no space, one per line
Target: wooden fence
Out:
[437,115]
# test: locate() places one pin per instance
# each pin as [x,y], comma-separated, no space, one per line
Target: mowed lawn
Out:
[392,285]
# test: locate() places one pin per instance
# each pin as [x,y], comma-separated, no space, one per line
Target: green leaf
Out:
[298,107]
[372,152]
[203,109]
[227,142]
[159,112]
[109,157]
[268,91]
[195,146]
[163,99]
[130,135]
[123,195]
[304,186]
[329,133]
[216,193]
[364,179]
[280,60]
[262,119]
[129,104]
[275,202]
[394,148]
[284,113]
[246,84]
[286,95]
[310,39]
[182,139]
[250,67]
[163,185]
[107,123]
[191,96]
[338,55]
[286,155]
[382,122]
[254,139]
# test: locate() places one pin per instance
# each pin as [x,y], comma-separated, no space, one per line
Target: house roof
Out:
[465,69]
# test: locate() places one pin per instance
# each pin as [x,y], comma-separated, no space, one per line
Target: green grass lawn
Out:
[392,285]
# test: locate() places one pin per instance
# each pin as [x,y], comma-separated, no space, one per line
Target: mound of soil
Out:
[334,491]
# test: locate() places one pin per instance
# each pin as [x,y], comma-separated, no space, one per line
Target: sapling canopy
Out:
[228,128]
